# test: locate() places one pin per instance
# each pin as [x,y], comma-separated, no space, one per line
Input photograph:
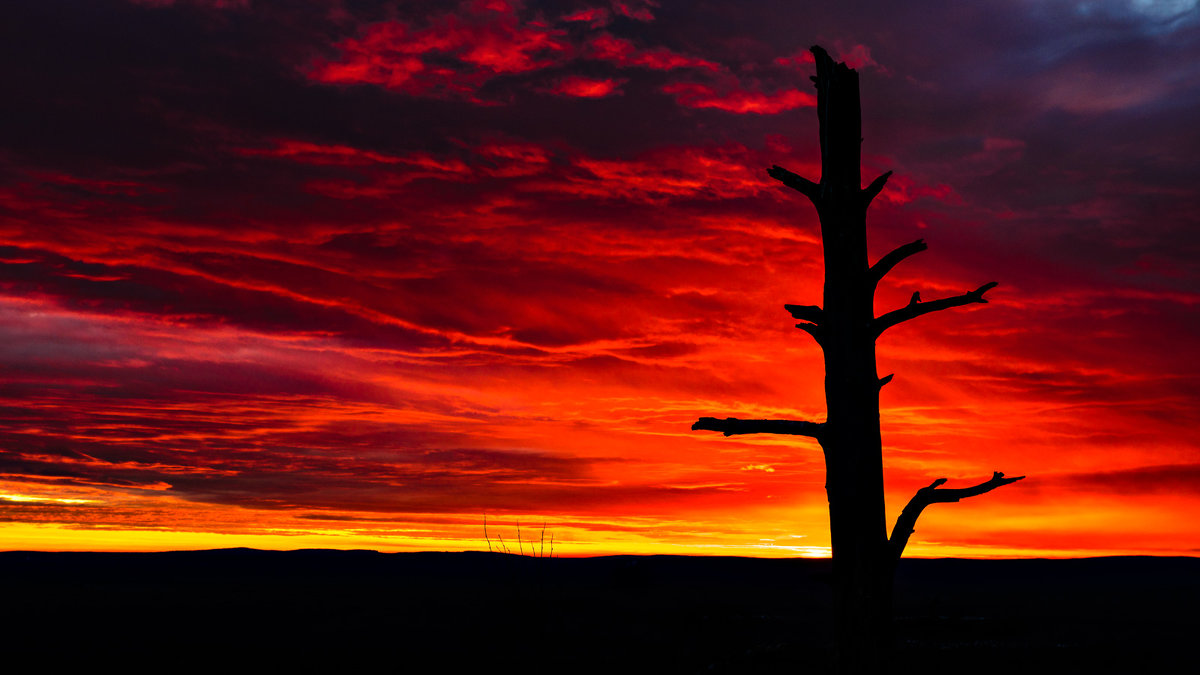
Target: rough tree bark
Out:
[845,327]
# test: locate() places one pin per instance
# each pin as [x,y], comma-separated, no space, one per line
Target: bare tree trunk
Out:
[864,559]
[852,444]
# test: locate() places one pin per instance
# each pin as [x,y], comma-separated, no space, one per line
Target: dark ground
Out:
[349,611]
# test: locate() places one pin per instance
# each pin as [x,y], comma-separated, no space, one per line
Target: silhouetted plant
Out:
[846,328]
[538,551]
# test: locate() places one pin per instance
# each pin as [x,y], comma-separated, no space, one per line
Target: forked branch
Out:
[872,191]
[816,331]
[796,182]
[810,313]
[916,308]
[887,262]
[932,494]
[731,425]
[812,317]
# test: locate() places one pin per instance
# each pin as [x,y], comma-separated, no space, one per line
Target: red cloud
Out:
[596,16]
[800,58]
[314,153]
[95,186]
[671,173]
[509,160]
[623,52]
[739,101]
[902,189]
[858,57]
[452,56]
[493,159]
[456,54]
[305,152]
[586,87]
[639,13]
[666,174]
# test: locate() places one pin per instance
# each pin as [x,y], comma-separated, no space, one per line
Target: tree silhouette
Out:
[845,327]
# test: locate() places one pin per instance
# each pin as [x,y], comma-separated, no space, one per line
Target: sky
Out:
[365,274]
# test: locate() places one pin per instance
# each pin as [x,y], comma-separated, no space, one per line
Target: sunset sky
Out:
[360,274]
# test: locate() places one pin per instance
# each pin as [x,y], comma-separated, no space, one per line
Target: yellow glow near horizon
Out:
[57,538]
[31,499]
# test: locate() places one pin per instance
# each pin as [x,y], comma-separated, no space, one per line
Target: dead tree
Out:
[845,327]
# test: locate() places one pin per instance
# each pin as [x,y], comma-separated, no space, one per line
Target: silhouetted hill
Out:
[240,610]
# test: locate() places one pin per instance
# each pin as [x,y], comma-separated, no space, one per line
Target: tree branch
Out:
[731,425]
[872,191]
[796,182]
[932,494]
[817,332]
[887,262]
[811,313]
[916,308]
